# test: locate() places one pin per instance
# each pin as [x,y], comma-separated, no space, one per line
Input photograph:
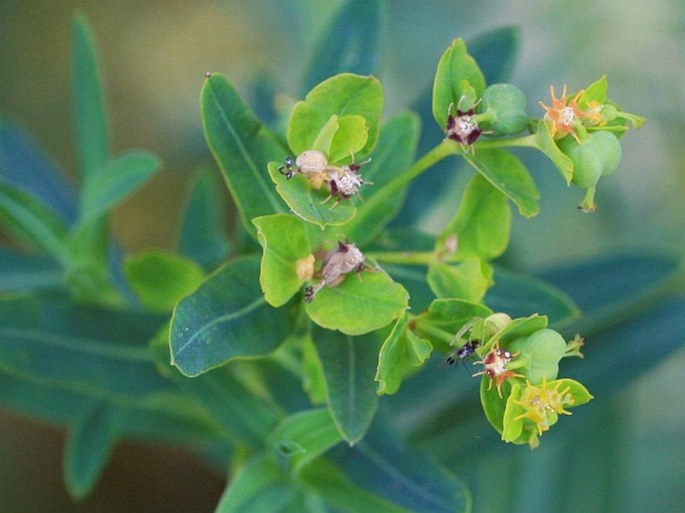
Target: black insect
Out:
[461,354]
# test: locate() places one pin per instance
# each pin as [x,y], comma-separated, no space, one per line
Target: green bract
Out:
[541,353]
[339,117]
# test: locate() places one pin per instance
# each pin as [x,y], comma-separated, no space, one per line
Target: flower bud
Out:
[506,106]
[597,155]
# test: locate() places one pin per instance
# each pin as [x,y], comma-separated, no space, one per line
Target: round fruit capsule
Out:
[506,103]
[597,155]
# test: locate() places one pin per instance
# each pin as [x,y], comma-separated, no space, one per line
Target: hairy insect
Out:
[342,182]
[338,262]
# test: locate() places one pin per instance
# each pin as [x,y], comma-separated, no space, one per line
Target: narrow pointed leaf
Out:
[349,364]
[24,164]
[89,444]
[202,236]
[242,147]
[19,271]
[226,318]
[304,436]
[90,121]
[32,222]
[508,174]
[351,43]
[114,182]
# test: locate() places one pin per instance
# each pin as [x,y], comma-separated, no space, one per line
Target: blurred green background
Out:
[155,53]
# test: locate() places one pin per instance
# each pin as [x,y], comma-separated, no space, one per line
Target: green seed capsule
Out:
[542,350]
[506,103]
[598,155]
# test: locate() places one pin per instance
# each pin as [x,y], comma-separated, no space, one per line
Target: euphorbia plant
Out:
[283,349]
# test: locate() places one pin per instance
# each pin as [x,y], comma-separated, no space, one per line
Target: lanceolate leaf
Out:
[242,148]
[202,236]
[304,436]
[32,222]
[509,175]
[349,364]
[90,351]
[109,184]
[89,444]
[90,121]
[350,43]
[226,318]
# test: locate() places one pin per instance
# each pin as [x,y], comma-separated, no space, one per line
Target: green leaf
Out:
[113,182]
[456,69]
[468,280]
[349,364]
[402,354]
[411,479]
[518,328]
[89,444]
[19,271]
[382,201]
[482,224]
[241,413]
[341,493]
[226,318]
[284,242]
[90,351]
[359,304]
[543,141]
[30,221]
[90,120]
[519,295]
[308,203]
[348,139]
[508,174]
[24,164]
[313,379]
[342,95]
[161,279]
[304,436]
[202,236]
[351,42]
[259,486]
[242,148]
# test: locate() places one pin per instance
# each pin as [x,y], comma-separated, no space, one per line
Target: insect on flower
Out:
[342,182]
[495,367]
[463,128]
[338,262]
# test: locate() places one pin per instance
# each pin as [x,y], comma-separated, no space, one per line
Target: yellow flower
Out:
[543,404]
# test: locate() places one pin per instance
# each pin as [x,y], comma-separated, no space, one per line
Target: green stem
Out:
[524,141]
[446,148]
[433,332]
[403,257]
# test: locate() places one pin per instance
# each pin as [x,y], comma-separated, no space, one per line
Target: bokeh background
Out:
[154,54]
